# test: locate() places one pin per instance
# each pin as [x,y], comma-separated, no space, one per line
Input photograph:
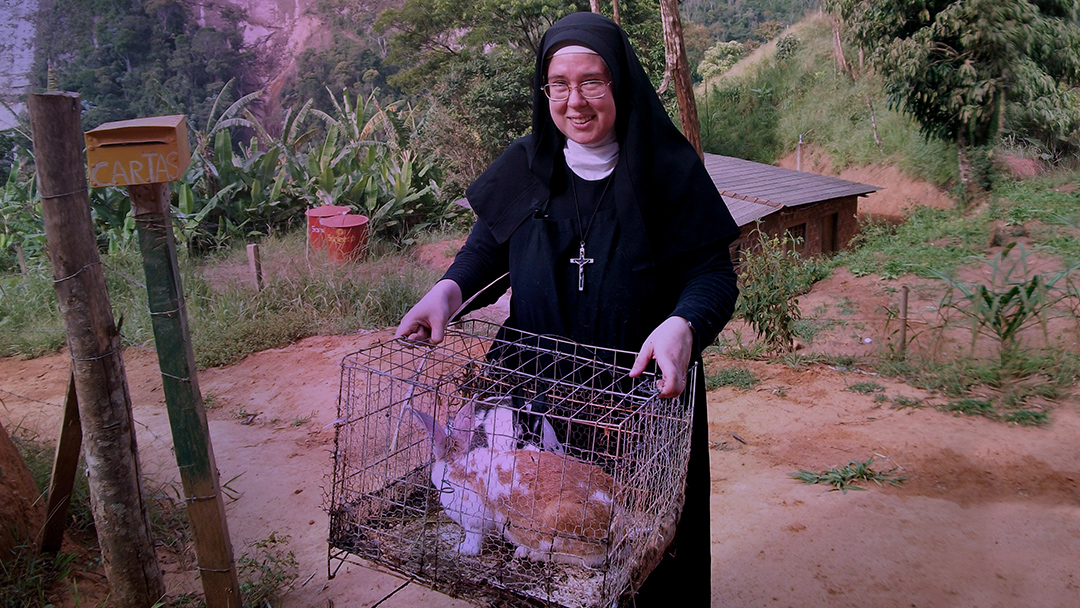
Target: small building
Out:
[820,210]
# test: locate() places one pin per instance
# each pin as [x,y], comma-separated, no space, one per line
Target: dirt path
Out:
[989,515]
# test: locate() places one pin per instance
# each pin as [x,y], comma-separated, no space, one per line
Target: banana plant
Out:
[22,231]
[190,217]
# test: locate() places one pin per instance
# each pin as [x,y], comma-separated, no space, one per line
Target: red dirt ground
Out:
[989,515]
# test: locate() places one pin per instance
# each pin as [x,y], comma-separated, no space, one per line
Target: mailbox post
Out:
[144,154]
[102,412]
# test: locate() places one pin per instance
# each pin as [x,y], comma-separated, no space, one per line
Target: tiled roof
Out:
[746,212]
[774,187]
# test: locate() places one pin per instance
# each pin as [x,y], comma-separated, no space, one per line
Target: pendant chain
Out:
[581,260]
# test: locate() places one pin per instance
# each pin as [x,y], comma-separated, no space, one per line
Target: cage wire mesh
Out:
[560,482]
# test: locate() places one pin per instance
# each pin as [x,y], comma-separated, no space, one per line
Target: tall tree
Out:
[953,64]
[679,70]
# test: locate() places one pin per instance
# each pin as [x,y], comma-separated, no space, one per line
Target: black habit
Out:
[658,245]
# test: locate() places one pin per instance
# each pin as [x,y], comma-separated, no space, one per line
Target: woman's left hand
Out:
[670,345]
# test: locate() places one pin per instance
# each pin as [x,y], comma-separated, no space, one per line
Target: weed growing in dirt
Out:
[739,377]
[267,571]
[771,277]
[971,407]
[866,388]
[849,476]
[1014,299]
[735,347]
[900,402]
[169,524]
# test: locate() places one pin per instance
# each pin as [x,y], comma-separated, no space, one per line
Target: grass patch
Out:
[930,240]
[302,296]
[865,388]
[849,476]
[738,377]
[971,407]
[30,322]
[1027,417]
[267,570]
[30,579]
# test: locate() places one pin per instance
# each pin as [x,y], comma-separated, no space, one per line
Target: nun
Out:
[613,235]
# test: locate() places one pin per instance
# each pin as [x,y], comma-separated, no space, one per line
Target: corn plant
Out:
[1012,301]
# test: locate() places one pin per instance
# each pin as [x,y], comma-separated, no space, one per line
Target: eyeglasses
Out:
[590,89]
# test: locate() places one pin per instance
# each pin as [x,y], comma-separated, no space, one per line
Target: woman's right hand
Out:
[426,321]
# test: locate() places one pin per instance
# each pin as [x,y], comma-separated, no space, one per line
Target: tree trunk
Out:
[594,6]
[969,188]
[615,12]
[112,464]
[838,49]
[678,67]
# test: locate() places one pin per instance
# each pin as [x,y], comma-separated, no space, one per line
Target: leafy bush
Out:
[771,277]
[720,58]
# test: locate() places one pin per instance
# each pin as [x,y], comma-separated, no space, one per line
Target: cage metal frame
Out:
[381,500]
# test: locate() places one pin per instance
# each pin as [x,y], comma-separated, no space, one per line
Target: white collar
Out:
[594,162]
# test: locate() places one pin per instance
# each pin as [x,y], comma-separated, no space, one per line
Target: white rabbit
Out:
[500,431]
[498,419]
[452,473]
[550,505]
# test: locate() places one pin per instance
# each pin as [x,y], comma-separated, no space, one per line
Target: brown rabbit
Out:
[554,506]
[551,506]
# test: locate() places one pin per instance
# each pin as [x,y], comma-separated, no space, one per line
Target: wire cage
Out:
[558,479]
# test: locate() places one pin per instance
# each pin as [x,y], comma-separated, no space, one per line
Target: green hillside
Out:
[760,108]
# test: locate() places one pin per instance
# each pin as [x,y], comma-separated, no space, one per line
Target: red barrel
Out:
[346,237]
[316,233]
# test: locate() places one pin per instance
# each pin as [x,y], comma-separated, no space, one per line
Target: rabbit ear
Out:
[434,431]
[549,440]
[464,420]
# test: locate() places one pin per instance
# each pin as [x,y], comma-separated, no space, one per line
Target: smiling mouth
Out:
[579,121]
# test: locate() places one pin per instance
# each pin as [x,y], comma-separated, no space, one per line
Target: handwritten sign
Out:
[140,151]
[151,167]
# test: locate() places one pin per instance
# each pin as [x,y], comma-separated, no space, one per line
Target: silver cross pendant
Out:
[581,261]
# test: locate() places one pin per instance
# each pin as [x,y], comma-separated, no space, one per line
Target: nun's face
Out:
[586,121]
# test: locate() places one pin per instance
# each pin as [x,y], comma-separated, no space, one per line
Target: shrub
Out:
[771,277]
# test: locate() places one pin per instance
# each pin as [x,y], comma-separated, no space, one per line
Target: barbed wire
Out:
[30,399]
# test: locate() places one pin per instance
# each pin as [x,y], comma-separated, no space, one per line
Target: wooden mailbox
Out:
[141,151]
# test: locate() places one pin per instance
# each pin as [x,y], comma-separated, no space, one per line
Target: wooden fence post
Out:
[903,321]
[65,466]
[187,415]
[112,462]
[255,265]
